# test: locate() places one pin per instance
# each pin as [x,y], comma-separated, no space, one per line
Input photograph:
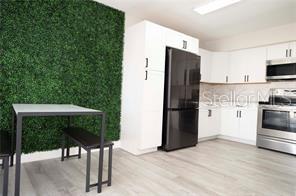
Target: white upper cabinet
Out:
[205,65]
[255,63]
[155,47]
[248,66]
[220,67]
[279,51]
[293,49]
[237,69]
[181,41]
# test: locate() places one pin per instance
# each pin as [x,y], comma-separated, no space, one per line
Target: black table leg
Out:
[5,175]
[100,176]
[18,154]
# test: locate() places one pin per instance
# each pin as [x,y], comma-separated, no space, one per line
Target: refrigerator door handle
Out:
[170,51]
[146,75]
[185,76]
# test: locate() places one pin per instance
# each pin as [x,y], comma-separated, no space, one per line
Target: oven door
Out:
[277,121]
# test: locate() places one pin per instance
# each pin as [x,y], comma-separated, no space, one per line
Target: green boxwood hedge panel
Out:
[60,52]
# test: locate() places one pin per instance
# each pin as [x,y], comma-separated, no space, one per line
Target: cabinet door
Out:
[215,122]
[255,63]
[277,51]
[151,132]
[153,90]
[174,39]
[248,124]
[181,41]
[237,69]
[293,49]
[154,47]
[220,67]
[152,110]
[205,65]
[203,123]
[209,122]
[229,122]
[192,44]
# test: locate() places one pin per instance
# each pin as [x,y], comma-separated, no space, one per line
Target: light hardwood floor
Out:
[217,167]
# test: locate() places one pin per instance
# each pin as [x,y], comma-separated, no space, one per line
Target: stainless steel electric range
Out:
[277,121]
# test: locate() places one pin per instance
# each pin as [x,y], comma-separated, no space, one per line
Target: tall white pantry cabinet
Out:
[143,83]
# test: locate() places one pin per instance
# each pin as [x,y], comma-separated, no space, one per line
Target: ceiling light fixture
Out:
[214,5]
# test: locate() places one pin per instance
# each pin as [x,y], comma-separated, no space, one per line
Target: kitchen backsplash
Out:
[240,93]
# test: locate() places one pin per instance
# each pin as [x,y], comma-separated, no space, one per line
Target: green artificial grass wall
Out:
[60,52]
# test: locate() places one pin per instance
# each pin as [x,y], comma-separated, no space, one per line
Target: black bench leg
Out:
[63,147]
[11,160]
[68,148]
[110,165]
[5,176]
[79,152]
[88,159]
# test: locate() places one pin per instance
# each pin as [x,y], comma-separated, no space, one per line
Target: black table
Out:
[29,110]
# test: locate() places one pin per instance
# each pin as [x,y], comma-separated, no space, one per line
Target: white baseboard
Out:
[39,156]
[208,138]
[250,142]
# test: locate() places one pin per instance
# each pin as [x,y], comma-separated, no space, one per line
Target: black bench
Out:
[88,141]
[7,149]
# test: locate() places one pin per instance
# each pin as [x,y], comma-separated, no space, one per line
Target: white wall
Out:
[268,36]
[131,20]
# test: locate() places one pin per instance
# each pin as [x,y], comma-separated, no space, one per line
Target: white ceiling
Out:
[243,17]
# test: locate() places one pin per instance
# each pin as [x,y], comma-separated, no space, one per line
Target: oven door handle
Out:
[278,108]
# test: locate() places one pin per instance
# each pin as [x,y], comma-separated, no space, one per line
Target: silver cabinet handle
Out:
[147,62]
[209,113]
[290,52]
[245,78]
[226,79]
[146,75]
[237,114]
[248,78]
[286,52]
[184,44]
[240,114]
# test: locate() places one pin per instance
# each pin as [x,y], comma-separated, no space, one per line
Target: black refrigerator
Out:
[181,100]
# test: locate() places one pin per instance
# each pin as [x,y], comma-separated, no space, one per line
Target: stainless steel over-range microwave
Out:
[281,69]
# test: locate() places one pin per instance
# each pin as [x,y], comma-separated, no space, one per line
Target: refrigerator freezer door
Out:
[181,129]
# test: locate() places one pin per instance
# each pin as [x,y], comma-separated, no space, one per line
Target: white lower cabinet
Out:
[248,124]
[239,122]
[229,121]
[208,122]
